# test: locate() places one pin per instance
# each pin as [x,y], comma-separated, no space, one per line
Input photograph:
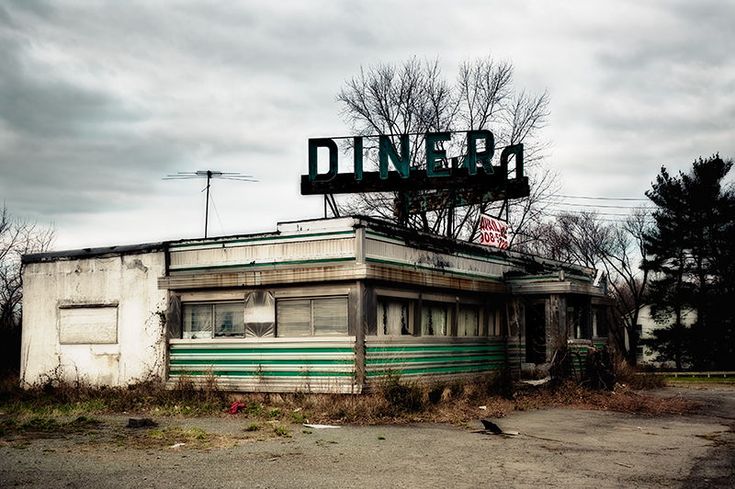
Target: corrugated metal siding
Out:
[264,253]
[306,365]
[579,353]
[381,250]
[433,359]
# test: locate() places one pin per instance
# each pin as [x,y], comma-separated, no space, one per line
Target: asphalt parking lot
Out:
[554,448]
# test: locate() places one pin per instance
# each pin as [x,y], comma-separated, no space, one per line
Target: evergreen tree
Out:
[690,255]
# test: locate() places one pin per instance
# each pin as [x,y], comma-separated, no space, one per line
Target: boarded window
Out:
[88,325]
[312,317]
[435,319]
[260,314]
[394,317]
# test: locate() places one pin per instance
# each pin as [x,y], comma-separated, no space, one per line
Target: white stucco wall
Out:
[54,292]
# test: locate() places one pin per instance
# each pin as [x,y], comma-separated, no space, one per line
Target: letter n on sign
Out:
[494,232]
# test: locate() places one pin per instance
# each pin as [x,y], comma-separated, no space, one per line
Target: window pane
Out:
[434,320]
[493,327]
[469,321]
[197,321]
[330,316]
[294,317]
[228,320]
[393,317]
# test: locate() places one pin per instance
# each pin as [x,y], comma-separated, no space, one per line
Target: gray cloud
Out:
[98,102]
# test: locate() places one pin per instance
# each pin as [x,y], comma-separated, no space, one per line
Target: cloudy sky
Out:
[100,100]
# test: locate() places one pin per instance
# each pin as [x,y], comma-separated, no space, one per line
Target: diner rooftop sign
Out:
[472,177]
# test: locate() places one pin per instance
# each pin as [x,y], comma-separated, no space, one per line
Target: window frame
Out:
[213,316]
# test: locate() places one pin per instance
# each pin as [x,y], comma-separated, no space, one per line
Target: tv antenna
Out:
[209,175]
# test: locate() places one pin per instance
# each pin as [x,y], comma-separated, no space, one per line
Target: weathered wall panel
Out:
[274,251]
[273,365]
[382,249]
[130,281]
[432,358]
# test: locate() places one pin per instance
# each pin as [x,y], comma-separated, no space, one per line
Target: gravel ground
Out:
[555,448]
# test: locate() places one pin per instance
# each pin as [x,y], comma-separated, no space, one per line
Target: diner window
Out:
[394,317]
[312,317]
[468,322]
[493,324]
[435,319]
[219,320]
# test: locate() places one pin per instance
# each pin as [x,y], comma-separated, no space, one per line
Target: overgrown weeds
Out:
[392,400]
[60,398]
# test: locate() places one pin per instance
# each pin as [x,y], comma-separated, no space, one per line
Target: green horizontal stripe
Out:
[237,361]
[228,373]
[430,370]
[175,268]
[453,359]
[431,348]
[187,350]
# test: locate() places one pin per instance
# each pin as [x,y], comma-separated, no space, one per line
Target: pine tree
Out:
[690,254]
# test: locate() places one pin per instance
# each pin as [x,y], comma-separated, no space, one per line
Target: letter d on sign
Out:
[314,145]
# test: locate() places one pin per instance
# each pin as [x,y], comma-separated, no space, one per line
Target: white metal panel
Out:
[385,250]
[264,253]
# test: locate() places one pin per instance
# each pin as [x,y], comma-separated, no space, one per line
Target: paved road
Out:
[555,448]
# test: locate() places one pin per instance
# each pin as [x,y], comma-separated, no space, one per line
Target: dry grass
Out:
[394,401]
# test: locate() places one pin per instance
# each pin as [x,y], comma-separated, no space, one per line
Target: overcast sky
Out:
[100,100]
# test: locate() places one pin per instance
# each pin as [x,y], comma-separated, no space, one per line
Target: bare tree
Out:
[17,237]
[615,248]
[415,98]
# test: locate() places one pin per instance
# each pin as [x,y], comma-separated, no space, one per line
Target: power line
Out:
[574,204]
[584,197]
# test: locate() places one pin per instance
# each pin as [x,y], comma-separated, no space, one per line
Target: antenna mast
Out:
[209,174]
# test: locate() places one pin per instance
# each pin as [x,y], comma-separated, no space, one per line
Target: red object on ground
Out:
[236,406]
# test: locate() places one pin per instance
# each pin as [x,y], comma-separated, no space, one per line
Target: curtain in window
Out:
[228,320]
[434,320]
[198,321]
[468,323]
[393,317]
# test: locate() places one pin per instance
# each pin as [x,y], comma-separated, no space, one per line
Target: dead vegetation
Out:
[395,400]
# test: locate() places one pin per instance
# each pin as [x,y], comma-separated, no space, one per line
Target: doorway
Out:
[536,333]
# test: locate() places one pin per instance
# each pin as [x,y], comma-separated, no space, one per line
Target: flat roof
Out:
[531,264]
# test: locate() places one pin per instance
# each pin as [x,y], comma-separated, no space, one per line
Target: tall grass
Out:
[394,400]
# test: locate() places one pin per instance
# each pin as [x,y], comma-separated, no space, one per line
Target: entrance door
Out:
[535,333]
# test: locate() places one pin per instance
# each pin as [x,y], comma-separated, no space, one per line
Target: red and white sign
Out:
[494,232]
